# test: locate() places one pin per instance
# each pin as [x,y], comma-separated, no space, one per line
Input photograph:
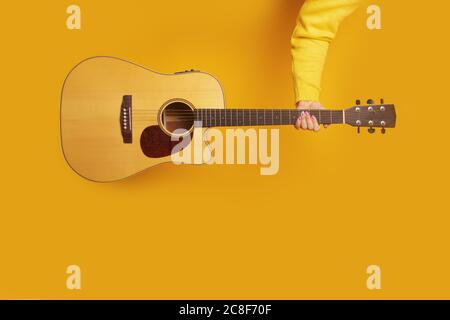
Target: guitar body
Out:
[111,115]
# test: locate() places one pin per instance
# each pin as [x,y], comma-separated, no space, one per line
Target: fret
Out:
[276,117]
[288,117]
[211,117]
[338,116]
[327,117]
[292,117]
[314,113]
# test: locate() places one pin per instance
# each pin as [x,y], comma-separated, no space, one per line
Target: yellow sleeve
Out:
[316,27]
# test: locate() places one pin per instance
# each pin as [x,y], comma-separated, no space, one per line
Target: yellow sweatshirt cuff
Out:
[305,92]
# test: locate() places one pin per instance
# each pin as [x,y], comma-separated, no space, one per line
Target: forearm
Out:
[317,25]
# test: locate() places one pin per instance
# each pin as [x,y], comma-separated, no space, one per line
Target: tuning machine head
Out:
[371,115]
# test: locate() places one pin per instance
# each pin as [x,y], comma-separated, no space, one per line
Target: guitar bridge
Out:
[125,120]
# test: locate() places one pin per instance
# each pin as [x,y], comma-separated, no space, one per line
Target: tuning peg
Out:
[371,130]
[370,101]
[383,130]
[381,101]
[358,102]
[358,130]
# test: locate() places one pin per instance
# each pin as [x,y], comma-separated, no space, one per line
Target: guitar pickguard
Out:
[155,143]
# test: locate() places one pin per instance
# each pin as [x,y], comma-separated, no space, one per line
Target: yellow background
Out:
[339,203]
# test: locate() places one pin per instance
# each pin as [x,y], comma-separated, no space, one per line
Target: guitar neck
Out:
[263,117]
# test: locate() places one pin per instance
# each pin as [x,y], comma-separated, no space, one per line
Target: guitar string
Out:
[253,115]
[239,120]
[155,109]
[233,115]
[238,110]
[189,115]
[219,119]
[236,118]
[228,118]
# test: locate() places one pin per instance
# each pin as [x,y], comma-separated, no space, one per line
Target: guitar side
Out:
[91,100]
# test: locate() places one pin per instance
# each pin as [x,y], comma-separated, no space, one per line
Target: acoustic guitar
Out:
[118,118]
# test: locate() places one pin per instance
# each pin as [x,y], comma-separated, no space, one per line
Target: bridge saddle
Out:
[126,120]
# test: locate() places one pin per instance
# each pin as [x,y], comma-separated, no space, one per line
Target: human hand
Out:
[307,121]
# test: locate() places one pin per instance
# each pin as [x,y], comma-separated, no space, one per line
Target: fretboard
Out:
[263,117]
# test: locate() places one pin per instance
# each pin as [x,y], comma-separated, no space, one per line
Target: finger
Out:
[298,123]
[309,122]
[325,126]
[304,125]
[315,123]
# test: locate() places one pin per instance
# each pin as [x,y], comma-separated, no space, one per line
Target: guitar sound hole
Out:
[177,117]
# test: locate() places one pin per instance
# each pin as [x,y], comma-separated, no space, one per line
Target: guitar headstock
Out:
[371,116]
